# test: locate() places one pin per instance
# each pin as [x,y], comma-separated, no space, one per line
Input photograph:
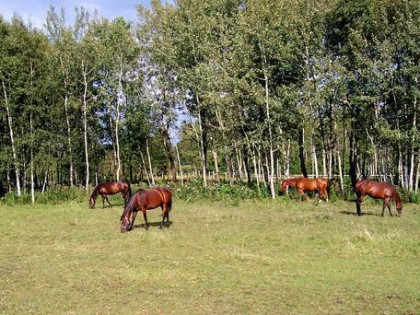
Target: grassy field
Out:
[281,257]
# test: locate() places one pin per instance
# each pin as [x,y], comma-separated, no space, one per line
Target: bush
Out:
[53,195]
[414,197]
[11,198]
[223,191]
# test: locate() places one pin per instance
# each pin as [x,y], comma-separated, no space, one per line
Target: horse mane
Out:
[397,197]
[291,181]
[130,204]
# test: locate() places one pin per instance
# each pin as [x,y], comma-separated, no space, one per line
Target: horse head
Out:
[399,209]
[284,185]
[125,224]
[91,202]
[125,220]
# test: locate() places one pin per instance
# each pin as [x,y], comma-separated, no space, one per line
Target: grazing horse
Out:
[303,184]
[377,190]
[143,200]
[110,188]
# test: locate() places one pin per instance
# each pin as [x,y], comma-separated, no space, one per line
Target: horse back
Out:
[156,197]
[307,184]
[322,183]
[361,186]
[108,188]
[381,190]
[374,189]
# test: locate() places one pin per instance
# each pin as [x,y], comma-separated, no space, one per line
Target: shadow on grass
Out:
[152,224]
[362,214]
[113,205]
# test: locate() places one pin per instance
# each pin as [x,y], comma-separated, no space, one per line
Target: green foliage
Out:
[194,190]
[59,194]
[11,198]
[54,195]
[414,197]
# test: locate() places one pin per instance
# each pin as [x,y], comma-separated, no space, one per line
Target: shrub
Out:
[414,197]
[53,195]
[223,191]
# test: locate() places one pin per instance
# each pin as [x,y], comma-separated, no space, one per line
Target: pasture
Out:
[245,257]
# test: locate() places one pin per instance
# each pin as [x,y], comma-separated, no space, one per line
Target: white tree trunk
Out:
[9,185]
[180,165]
[340,171]
[413,142]
[31,127]
[85,132]
[315,161]
[257,177]
[270,134]
[324,162]
[12,140]
[202,152]
[216,165]
[150,163]
[69,138]
[44,185]
[145,169]
[67,122]
[287,160]
[32,162]
[120,101]
[416,188]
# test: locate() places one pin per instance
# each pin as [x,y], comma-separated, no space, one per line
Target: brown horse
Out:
[110,188]
[303,184]
[143,200]
[377,190]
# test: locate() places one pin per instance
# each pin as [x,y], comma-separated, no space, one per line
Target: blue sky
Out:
[36,11]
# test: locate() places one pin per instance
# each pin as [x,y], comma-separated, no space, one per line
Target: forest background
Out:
[218,93]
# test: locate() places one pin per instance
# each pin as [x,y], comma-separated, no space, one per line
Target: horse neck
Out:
[129,208]
[397,198]
[286,183]
[94,193]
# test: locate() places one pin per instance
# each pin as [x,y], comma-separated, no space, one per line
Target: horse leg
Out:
[388,204]
[168,209]
[107,200]
[383,208]
[358,204]
[165,214]
[302,193]
[133,217]
[103,201]
[325,194]
[321,195]
[145,218]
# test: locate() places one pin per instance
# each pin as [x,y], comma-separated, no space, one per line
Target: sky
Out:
[36,11]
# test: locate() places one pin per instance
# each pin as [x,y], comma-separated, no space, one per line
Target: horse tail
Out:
[170,205]
[328,189]
[129,190]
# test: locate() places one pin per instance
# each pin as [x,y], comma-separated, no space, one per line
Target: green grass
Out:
[282,257]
